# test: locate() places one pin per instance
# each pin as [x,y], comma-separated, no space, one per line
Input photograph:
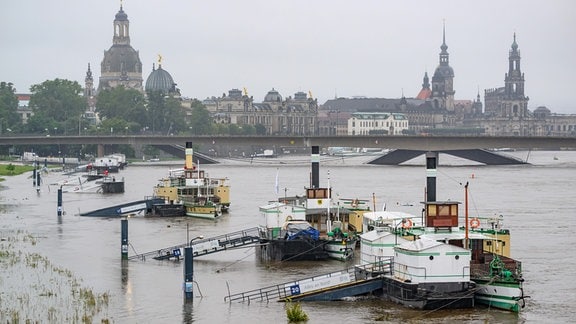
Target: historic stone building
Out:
[373,123]
[292,116]
[506,108]
[121,64]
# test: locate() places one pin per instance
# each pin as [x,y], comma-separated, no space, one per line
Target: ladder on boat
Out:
[205,246]
[353,281]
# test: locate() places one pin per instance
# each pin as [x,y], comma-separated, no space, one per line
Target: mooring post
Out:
[124,240]
[34,176]
[38,180]
[59,208]
[188,273]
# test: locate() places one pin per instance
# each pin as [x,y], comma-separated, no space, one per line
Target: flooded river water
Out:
[537,201]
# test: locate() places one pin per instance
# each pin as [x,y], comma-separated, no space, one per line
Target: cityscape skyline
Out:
[331,49]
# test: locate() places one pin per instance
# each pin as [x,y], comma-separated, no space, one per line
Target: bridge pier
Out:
[101,150]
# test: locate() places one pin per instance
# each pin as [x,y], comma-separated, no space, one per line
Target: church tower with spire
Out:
[509,101]
[515,103]
[442,96]
[121,64]
[89,90]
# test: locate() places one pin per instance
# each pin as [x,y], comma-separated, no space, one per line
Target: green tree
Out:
[220,129]
[126,104]
[201,122]
[166,113]
[54,102]
[260,129]
[9,118]
[248,130]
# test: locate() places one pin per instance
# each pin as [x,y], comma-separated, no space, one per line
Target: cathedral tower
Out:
[515,103]
[121,64]
[443,80]
[508,101]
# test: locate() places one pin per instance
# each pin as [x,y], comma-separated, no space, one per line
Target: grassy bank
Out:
[14,169]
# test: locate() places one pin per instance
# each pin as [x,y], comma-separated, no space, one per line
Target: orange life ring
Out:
[474,223]
[407,223]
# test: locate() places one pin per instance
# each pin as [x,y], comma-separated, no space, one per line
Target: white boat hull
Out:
[340,250]
[507,296]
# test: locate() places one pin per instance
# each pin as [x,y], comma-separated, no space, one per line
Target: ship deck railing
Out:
[315,284]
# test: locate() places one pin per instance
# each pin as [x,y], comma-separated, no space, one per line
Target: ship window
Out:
[457,257]
[431,258]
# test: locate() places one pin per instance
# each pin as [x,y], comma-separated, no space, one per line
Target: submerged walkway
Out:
[205,246]
[353,281]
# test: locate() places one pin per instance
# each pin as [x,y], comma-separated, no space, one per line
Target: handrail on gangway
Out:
[205,246]
[287,290]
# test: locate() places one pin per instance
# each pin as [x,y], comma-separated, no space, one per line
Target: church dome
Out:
[160,80]
[121,15]
[444,71]
[121,58]
[273,96]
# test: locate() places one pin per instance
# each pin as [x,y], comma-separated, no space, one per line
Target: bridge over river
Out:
[471,147]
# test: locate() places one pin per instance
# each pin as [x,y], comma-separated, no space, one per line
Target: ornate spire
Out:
[89,73]
[444,47]
[514,44]
[426,81]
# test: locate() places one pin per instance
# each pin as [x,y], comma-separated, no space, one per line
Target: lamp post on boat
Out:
[189,270]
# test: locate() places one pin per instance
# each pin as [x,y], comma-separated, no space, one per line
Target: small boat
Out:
[202,207]
[104,185]
[436,263]
[316,210]
[191,192]
[294,240]
[111,163]
[497,275]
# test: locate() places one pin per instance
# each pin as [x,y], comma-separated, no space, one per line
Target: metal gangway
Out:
[205,246]
[353,281]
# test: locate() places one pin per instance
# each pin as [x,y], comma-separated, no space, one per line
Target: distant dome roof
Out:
[443,71]
[160,80]
[121,58]
[273,96]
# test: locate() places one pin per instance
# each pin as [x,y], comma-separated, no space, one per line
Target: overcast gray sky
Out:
[344,48]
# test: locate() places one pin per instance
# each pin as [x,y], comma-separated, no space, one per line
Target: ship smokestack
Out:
[189,151]
[315,158]
[431,161]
